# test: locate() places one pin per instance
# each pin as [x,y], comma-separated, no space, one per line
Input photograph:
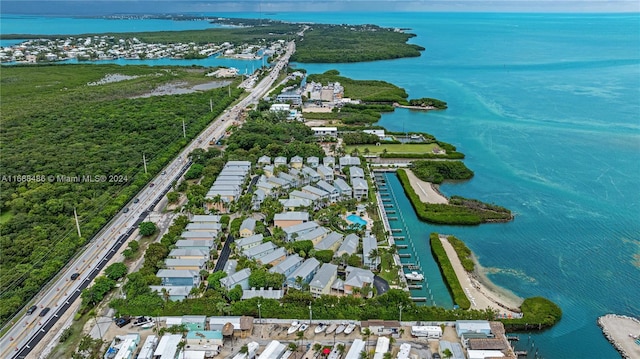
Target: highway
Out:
[61,292]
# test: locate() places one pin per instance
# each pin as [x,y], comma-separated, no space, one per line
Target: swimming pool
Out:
[357,220]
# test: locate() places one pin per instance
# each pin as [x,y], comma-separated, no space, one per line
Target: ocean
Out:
[547,109]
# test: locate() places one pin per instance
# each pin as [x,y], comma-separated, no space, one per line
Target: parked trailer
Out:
[428,331]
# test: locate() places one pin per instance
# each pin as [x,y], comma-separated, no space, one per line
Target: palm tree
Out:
[341,349]
[366,334]
[387,355]
[244,349]
[300,336]
[293,347]
[447,353]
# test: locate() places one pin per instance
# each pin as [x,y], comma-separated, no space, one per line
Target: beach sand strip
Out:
[622,332]
[427,191]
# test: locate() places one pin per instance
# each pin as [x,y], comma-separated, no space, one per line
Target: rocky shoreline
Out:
[622,332]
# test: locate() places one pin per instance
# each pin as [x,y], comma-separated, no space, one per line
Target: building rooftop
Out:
[259,250]
[248,224]
[256,238]
[286,264]
[176,273]
[308,266]
[349,245]
[272,256]
[329,241]
[324,275]
[262,293]
[237,277]
[291,216]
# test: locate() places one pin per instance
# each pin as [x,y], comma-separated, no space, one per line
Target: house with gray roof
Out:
[274,257]
[313,161]
[360,188]
[263,293]
[268,170]
[346,192]
[324,278]
[314,236]
[300,229]
[248,242]
[296,162]
[303,179]
[291,204]
[174,293]
[334,194]
[188,253]
[264,160]
[198,235]
[316,191]
[311,174]
[304,195]
[329,161]
[206,218]
[356,172]
[348,161]
[246,165]
[357,278]
[240,278]
[288,265]
[369,243]
[326,173]
[211,227]
[179,277]
[293,181]
[259,195]
[305,272]
[288,219]
[349,245]
[267,188]
[248,227]
[207,245]
[259,250]
[279,161]
[279,182]
[230,267]
[188,264]
[331,241]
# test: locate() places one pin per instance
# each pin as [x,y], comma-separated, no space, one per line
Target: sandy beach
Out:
[480,293]
[427,191]
[619,329]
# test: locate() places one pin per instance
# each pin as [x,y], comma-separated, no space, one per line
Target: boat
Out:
[340,328]
[294,327]
[349,329]
[331,328]
[148,325]
[320,328]
[303,327]
[414,276]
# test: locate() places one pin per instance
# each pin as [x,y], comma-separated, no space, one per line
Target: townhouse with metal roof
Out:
[357,278]
[347,161]
[324,278]
[185,264]
[259,250]
[334,194]
[268,188]
[313,161]
[273,257]
[311,174]
[207,218]
[248,242]
[300,229]
[197,235]
[179,277]
[360,188]
[288,219]
[173,292]
[346,192]
[259,195]
[268,170]
[279,182]
[303,179]
[189,253]
[264,160]
[356,172]
[230,267]
[325,173]
[316,191]
[369,243]
[349,245]
[278,161]
[304,195]
[269,293]
[329,161]
[288,265]
[238,164]
[296,162]
[248,227]
[330,241]
[207,245]
[291,204]
[305,272]
[293,181]
[211,227]
[314,236]
[240,278]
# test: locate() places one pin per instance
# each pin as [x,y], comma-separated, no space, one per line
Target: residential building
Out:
[280,107]
[360,188]
[380,133]
[173,293]
[334,194]
[212,227]
[356,172]
[325,131]
[259,250]
[168,346]
[304,195]
[348,161]
[293,181]
[343,188]
[288,219]
[207,218]
[294,98]
[184,253]
[302,179]
[248,227]
[185,264]
[321,283]
[273,257]
[299,229]
[280,161]
[273,350]
[127,346]
[204,338]
[245,243]
[382,346]
[278,182]
[349,246]
[369,243]
[382,327]
[259,195]
[198,235]
[240,278]
[311,174]
[325,173]
[194,322]
[206,245]
[263,293]
[292,204]
[473,326]
[149,346]
[242,326]
[329,161]
[316,191]
[230,267]
[288,265]
[357,278]
[313,161]
[330,242]
[314,236]
[296,162]
[356,349]
[174,277]
[264,160]
[266,187]
[305,273]
[268,170]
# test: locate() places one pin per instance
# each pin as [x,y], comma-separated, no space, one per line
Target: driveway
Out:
[381,285]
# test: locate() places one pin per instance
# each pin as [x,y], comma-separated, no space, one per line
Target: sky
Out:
[105,7]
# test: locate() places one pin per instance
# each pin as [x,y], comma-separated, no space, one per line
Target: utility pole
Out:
[184,131]
[75,215]
[310,313]
[144,162]
[400,306]
[211,104]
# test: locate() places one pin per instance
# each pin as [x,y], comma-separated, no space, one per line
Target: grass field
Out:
[394,148]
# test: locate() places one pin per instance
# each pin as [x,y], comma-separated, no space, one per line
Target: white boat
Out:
[414,276]
[320,328]
[340,328]
[148,325]
[349,329]
[331,328]
[294,326]
[303,327]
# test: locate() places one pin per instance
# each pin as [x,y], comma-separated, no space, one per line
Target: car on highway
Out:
[32,309]
[136,200]
[75,276]
[125,210]
[45,311]
[164,173]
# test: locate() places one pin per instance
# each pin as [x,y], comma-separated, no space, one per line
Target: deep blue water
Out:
[547,110]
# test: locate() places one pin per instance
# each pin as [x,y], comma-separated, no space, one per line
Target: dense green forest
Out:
[439,171]
[57,122]
[365,90]
[429,102]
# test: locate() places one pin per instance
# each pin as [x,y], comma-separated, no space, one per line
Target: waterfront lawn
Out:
[393,148]
[388,269]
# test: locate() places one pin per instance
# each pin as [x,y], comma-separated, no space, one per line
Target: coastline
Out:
[482,293]
[427,191]
[618,329]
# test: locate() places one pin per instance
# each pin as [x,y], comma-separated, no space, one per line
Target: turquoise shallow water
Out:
[547,110]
